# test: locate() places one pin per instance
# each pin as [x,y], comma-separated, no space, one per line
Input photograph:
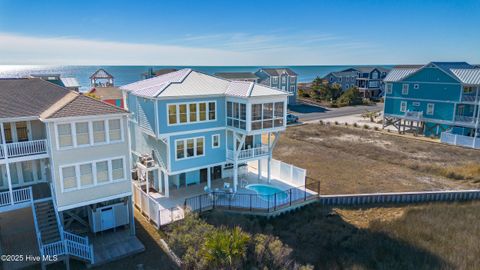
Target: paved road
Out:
[308,112]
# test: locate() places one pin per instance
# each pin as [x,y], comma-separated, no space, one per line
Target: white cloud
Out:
[219,49]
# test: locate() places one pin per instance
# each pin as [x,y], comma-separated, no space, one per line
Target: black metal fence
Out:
[253,202]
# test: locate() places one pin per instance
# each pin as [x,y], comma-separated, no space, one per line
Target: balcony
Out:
[18,196]
[470,98]
[413,115]
[465,119]
[22,149]
[249,153]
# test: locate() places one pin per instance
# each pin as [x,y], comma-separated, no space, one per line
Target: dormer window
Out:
[274,80]
[284,79]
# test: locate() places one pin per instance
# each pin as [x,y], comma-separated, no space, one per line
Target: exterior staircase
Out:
[47,222]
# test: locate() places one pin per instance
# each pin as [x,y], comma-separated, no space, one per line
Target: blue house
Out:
[281,78]
[189,128]
[368,79]
[438,99]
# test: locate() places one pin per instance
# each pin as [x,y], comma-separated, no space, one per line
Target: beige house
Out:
[66,157]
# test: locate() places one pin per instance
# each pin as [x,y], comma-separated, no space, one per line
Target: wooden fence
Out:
[400,197]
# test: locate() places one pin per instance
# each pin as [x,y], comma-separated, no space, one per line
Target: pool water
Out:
[266,192]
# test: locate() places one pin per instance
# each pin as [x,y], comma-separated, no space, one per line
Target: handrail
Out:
[18,149]
[249,153]
[20,195]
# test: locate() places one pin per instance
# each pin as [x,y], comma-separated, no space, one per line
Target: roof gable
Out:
[101,74]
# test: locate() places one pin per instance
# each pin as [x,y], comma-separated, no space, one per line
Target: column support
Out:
[146,179]
[209,178]
[259,168]
[167,191]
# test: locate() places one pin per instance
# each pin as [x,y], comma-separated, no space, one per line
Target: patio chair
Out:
[226,185]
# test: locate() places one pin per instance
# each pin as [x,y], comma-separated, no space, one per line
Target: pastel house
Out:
[440,99]
[192,132]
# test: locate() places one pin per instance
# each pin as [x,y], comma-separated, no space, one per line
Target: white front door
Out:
[108,218]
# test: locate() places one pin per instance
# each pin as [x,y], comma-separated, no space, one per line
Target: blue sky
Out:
[241,32]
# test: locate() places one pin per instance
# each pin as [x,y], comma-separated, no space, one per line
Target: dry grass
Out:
[354,160]
[428,236]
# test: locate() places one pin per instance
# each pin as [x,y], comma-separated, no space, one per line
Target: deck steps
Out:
[47,222]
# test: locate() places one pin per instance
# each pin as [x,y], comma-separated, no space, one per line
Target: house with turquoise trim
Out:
[439,99]
[192,133]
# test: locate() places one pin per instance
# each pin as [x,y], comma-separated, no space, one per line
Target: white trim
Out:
[187,104]
[185,148]
[389,88]
[104,199]
[422,99]
[83,118]
[94,172]
[403,106]
[198,168]
[166,135]
[430,109]
[213,140]
[405,87]
[416,86]
[90,131]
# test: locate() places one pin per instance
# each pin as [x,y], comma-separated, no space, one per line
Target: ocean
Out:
[128,74]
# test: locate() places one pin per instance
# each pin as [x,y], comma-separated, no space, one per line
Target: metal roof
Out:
[70,82]
[237,75]
[467,76]
[187,82]
[397,74]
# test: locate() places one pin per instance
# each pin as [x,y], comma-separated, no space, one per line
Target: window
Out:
[82,133]
[183,113]
[86,175]
[339,79]
[211,111]
[69,177]
[65,135]
[347,86]
[403,106]
[430,108]
[292,88]
[468,89]
[375,75]
[216,141]
[102,171]
[405,89]
[416,104]
[99,132]
[180,150]
[373,84]
[115,130]
[117,169]
[274,80]
[236,115]
[189,148]
[389,88]
[416,86]
[292,79]
[267,115]
[192,108]
[284,79]
[172,114]
[331,79]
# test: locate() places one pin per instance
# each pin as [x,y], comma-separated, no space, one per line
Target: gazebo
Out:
[101,78]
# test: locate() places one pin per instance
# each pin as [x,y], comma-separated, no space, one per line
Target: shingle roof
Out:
[397,74]
[279,71]
[82,105]
[237,75]
[107,92]
[467,76]
[28,97]
[34,97]
[101,74]
[187,82]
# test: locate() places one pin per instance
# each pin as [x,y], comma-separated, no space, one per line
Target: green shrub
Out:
[350,97]
[355,124]
[366,126]
[336,123]
[376,128]
[225,248]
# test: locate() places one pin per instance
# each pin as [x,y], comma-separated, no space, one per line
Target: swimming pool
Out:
[266,192]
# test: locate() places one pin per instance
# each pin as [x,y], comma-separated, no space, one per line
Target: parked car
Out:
[291,118]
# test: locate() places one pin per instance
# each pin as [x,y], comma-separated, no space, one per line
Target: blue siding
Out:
[132,106]
[430,75]
[163,116]
[212,155]
[146,113]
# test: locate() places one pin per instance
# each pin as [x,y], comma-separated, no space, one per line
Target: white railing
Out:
[456,139]
[78,246]
[2,155]
[54,249]
[155,212]
[27,148]
[413,114]
[466,119]
[469,98]
[19,196]
[279,170]
[249,153]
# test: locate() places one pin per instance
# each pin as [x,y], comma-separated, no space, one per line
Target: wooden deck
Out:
[113,245]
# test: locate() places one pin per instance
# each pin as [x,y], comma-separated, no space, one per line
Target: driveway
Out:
[310,112]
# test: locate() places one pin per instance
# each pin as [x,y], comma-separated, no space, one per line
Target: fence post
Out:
[250,195]
[200,202]
[275,202]
[290,197]
[214,199]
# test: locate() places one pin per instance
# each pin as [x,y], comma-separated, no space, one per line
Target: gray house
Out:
[281,78]
[238,76]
